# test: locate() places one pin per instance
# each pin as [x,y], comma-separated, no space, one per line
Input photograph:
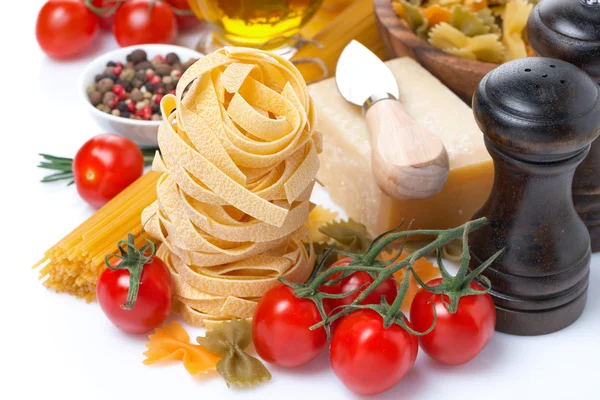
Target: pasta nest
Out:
[239,160]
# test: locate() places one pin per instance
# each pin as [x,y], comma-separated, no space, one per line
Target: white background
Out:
[55,346]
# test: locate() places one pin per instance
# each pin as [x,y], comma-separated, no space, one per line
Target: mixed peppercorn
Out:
[134,89]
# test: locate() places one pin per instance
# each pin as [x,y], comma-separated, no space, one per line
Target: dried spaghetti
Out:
[74,264]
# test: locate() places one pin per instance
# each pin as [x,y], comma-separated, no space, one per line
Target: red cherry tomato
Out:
[64,28]
[368,358]
[106,165]
[153,301]
[457,338]
[280,328]
[184,22]
[106,22]
[135,24]
[356,280]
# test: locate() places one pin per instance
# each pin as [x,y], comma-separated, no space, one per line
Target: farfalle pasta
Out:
[468,22]
[481,47]
[515,16]
[173,343]
[239,160]
[222,349]
[485,30]
[414,17]
[436,14]
[318,217]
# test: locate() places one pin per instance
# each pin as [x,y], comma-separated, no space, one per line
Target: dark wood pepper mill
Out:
[539,116]
[570,30]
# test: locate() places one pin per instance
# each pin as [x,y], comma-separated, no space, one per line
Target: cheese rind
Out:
[346,159]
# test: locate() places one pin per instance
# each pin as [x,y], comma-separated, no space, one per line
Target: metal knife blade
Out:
[360,74]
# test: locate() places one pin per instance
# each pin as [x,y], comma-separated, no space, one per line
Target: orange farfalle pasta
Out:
[436,14]
[476,5]
[173,343]
[425,269]
[400,11]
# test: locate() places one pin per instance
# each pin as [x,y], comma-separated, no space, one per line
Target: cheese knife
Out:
[408,161]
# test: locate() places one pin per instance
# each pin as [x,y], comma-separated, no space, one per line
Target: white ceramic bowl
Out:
[143,133]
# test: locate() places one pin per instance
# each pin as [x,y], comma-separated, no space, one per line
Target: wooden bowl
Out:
[461,75]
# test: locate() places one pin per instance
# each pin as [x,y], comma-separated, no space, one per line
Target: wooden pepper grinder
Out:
[570,30]
[539,116]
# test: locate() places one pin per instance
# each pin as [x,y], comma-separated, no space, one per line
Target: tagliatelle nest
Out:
[239,157]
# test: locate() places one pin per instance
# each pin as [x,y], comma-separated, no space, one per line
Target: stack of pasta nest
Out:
[239,160]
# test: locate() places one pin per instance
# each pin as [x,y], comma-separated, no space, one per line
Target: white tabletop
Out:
[56,346]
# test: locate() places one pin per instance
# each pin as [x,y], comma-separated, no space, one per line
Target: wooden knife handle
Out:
[408,161]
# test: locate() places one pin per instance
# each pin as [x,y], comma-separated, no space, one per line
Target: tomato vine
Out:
[454,287]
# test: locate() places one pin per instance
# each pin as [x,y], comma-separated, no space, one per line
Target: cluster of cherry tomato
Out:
[66,28]
[365,355]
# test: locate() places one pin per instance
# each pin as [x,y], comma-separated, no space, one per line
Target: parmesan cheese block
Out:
[346,158]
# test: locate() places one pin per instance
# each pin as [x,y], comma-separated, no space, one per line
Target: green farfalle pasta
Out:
[324,256]
[418,23]
[468,22]
[490,20]
[230,340]
[345,235]
[348,235]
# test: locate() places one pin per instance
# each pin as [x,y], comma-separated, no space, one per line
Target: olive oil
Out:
[251,23]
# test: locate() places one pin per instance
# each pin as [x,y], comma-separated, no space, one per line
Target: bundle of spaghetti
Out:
[74,264]
[239,160]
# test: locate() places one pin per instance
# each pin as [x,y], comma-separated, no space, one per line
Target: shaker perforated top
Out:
[538,109]
[568,30]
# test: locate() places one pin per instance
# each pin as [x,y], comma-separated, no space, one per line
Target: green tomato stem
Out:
[367,263]
[133,260]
